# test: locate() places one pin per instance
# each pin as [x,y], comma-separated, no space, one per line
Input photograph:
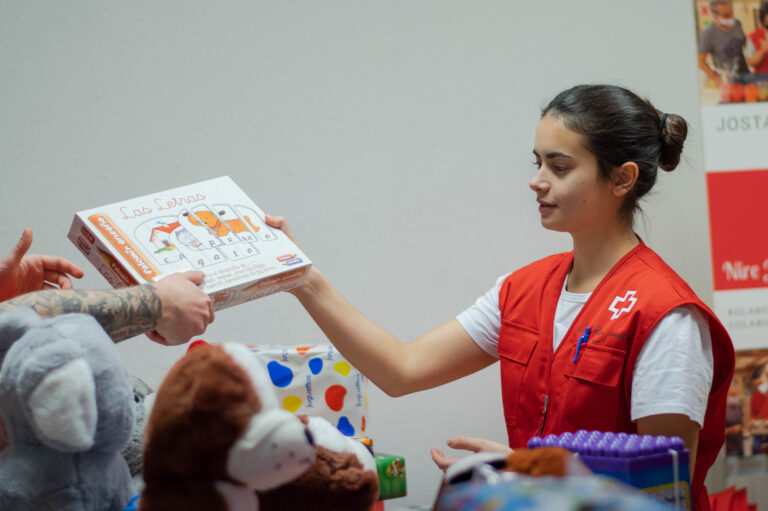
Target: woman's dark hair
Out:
[619,127]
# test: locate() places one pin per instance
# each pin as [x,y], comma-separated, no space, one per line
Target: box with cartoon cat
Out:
[211,226]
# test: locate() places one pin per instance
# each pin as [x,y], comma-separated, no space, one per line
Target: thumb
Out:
[21,247]
[279,222]
[194,276]
[274,220]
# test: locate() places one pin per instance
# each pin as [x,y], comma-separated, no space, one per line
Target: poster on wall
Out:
[733,92]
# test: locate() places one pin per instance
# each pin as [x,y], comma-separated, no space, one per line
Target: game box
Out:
[211,226]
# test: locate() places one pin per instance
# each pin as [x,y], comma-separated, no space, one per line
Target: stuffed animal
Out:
[216,435]
[542,461]
[12,327]
[66,403]
[133,451]
[343,478]
[539,462]
[217,439]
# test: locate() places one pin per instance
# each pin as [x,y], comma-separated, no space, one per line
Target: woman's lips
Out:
[545,206]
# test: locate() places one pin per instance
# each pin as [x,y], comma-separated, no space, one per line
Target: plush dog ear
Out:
[63,407]
[257,372]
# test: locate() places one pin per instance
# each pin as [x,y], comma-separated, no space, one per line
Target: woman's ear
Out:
[624,178]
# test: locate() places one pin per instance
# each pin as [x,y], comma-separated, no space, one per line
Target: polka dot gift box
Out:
[317,380]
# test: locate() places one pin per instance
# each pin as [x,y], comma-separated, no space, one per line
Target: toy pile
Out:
[657,465]
[537,479]
[216,437]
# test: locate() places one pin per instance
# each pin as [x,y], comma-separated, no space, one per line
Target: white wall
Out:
[395,135]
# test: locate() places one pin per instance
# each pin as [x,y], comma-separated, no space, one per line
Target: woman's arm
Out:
[439,356]
[673,424]
[442,355]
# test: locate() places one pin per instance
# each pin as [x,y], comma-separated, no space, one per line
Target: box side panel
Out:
[99,254]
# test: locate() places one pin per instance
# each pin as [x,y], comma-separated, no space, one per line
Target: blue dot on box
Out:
[280,375]
[316,365]
[345,427]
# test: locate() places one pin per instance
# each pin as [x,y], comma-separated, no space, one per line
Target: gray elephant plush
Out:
[66,402]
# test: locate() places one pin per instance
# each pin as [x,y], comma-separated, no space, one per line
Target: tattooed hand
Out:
[186,309]
[21,272]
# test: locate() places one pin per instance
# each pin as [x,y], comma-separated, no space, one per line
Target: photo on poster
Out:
[732,51]
[746,418]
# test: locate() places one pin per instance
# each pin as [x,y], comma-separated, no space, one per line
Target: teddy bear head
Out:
[216,434]
[343,477]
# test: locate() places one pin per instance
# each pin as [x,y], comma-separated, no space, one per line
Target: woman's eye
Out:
[536,163]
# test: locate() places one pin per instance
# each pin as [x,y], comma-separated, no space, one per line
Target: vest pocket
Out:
[593,394]
[516,345]
[598,364]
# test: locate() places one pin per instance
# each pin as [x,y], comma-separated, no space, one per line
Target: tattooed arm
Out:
[170,311]
[123,313]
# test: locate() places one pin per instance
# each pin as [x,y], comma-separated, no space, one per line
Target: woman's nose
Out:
[537,184]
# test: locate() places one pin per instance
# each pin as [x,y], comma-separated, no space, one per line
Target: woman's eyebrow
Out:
[553,155]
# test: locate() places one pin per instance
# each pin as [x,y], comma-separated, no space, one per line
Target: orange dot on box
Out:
[301,350]
[334,397]
[750,93]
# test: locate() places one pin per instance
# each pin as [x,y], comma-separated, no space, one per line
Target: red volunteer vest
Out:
[545,392]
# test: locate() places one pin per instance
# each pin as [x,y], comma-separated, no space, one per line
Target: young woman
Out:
[605,337]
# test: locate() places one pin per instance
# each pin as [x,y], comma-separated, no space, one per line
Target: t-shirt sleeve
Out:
[675,367]
[482,320]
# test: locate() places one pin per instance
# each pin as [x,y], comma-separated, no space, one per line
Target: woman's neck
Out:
[595,254]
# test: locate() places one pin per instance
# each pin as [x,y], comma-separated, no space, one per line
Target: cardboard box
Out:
[317,380]
[211,226]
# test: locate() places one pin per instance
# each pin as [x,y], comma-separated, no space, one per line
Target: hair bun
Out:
[674,130]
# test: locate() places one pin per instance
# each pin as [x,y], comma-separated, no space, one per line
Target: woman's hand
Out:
[467,444]
[279,222]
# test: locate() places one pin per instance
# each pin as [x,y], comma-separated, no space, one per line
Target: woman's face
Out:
[572,195]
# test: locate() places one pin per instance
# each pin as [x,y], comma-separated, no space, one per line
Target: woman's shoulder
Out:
[655,269]
[545,265]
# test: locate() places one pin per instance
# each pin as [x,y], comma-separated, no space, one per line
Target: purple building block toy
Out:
[657,465]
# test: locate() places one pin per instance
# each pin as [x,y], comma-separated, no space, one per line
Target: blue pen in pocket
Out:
[584,338]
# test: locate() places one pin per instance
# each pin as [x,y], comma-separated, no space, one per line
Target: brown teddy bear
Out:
[343,478]
[217,439]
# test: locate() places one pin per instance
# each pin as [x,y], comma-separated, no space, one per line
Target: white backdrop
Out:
[396,137]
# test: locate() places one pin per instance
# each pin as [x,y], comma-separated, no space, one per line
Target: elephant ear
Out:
[14,324]
[63,407]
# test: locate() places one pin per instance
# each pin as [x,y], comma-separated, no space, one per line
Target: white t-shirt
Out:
[673,372]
